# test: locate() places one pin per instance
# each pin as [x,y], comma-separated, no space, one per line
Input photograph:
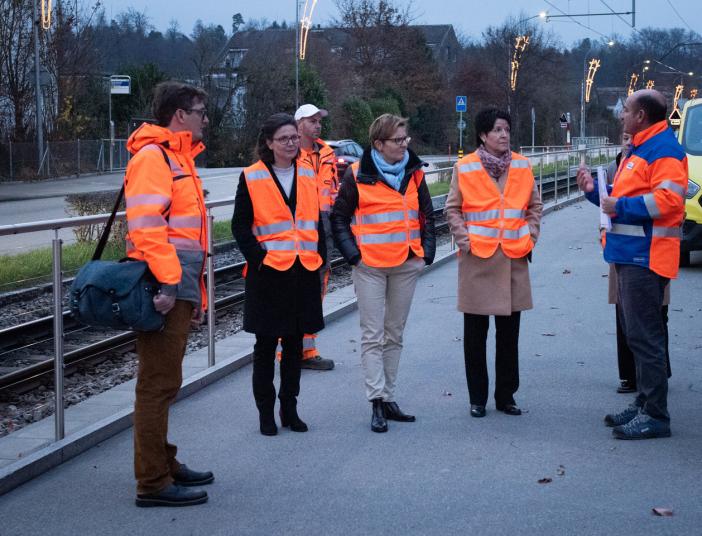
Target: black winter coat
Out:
[347,202]
[278,303]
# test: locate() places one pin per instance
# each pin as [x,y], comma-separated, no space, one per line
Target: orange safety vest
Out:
[166,213]
[323,163]
[284,238]
[495,218]
[386,223]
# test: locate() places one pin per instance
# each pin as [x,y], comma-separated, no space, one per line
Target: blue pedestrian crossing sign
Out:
[461,103]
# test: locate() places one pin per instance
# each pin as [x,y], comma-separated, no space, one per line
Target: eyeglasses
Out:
[202,112]
[399,141]
[288,140]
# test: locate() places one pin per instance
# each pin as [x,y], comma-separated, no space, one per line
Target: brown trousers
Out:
[159,377]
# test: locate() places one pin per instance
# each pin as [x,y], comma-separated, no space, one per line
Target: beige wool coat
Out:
[497,285]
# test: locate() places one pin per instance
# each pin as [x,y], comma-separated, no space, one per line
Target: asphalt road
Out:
[447,473]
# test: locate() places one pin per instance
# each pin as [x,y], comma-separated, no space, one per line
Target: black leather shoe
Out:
[378,422]
[626,387]
[394,413]
[290,419]
[267,425]
[510,409]
[188,477]
[173,495]
[477,411]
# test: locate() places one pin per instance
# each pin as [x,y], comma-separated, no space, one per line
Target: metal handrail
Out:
[67,223]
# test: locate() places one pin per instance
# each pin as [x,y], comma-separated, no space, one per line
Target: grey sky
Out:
[469,17]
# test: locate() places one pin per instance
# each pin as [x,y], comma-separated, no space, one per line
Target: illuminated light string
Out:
[521,42]
[594,65]
[693,93]
[305,25]
[650,84]
[46,14]
[632,83]
[678,93]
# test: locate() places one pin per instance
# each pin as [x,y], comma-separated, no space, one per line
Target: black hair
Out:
[655,109]
[268,129]
[171,96]
[485,121]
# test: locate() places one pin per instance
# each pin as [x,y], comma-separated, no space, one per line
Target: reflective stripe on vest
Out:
[627,230]
[496,219]
[283,237]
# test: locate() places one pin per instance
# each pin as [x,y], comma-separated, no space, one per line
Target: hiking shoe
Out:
[318,363]
[621,418]
[642,427]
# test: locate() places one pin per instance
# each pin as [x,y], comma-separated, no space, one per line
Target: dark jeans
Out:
[641,300]
[264,372]
[159,376]
[625,357]
[475,329]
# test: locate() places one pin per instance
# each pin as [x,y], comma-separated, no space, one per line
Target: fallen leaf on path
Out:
[446,393]
[457,339]
[604,275]
[538,355]
[547,480]
[560,471]
[566,271]
[548,334]
[581,363]
[663,512]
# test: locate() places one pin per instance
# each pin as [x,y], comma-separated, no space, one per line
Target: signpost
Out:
[119,85]
[461,107]
[675,118]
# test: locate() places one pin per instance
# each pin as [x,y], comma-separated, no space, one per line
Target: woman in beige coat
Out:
[493,273]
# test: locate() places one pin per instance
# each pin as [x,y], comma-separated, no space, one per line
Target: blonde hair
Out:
[384,126]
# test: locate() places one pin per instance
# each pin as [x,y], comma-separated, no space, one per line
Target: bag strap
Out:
[108,226]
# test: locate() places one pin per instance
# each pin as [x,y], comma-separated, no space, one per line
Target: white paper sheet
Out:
[605,221]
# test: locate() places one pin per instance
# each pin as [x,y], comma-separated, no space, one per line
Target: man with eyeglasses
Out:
[166,223]
[321,158]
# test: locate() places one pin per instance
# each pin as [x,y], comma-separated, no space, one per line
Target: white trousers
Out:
[384,300]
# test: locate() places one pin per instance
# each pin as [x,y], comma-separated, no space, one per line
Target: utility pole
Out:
[37,85]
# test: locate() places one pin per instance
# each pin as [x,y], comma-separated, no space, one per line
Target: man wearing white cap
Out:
[321,157]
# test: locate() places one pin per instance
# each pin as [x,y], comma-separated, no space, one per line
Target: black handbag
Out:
[115,294]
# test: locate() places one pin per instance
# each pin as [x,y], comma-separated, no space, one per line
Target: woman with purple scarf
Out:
[494,212]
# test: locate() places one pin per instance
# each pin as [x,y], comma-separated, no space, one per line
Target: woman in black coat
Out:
[280,304]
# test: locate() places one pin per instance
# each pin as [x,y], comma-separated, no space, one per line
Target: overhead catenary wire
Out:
[619,16]
[680,16]
[574,19]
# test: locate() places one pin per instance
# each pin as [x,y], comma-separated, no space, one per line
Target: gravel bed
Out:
[19,410]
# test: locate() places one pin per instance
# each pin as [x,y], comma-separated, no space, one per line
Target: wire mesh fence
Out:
[21,161]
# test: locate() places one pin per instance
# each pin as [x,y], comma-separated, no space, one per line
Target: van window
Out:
[692,135]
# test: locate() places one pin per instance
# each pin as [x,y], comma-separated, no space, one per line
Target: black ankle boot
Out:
[378,422]
[289,418]
[267,424]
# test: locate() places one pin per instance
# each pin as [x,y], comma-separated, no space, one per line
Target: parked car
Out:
[690,136]
[347,152]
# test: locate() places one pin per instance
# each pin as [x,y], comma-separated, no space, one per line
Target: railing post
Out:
[210,291]
[12,174]
[58,338]
[78,160]
[541,176]
[555,181]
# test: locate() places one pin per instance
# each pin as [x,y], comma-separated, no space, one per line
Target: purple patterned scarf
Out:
[494,165]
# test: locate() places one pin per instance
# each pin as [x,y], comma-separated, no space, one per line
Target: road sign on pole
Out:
[120,84]
[461,103]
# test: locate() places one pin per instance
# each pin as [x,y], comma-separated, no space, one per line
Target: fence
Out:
[18,161]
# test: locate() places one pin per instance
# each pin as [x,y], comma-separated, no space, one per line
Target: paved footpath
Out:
[445,474]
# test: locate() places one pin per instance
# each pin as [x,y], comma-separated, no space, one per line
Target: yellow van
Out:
[690,136]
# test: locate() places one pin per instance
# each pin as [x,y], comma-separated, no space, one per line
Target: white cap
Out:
[308,110]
